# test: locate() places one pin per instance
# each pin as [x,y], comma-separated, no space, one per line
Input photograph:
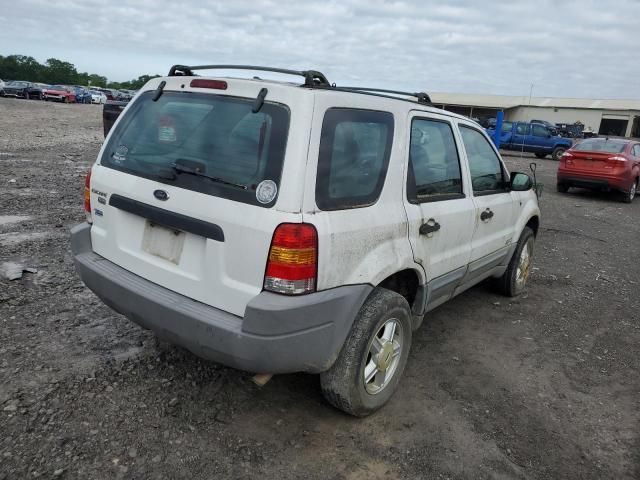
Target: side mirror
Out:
[520,182]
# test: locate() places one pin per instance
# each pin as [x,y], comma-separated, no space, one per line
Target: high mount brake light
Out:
[202,83]
[87,197]
[292,267]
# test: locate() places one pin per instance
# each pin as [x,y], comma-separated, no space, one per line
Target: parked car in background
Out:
[1,88]
[552,128]
[601,164]
[98,97]
[60,93]
[23,89]
[110,113]
[532,137]
[82,95]
[110,93]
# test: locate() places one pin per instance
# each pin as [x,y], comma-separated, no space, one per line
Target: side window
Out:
[636,150]
[434,166]
[506,127]
[522,129]
[355,146]
[487,175]
[539,131]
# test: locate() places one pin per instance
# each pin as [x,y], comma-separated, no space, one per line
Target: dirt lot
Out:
[545,386]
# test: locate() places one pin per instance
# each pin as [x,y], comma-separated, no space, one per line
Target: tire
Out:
[343,385]
[629,195]
[540,155]
[512,283]
[562,187]
[26,95]
[557,153]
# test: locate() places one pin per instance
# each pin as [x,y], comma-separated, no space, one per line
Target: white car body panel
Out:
[225,274]
[356,246]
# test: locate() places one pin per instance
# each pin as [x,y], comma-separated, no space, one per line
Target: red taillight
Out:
[87,197]
[617,159]
[292,266]
[215,84]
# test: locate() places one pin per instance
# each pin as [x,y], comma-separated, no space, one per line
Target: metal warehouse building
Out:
[606,117]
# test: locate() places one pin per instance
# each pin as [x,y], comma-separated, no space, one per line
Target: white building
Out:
[606,117]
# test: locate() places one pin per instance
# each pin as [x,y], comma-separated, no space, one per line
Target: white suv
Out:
[277,227]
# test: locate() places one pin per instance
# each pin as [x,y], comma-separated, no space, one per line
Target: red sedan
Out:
[602,164]
[59,93]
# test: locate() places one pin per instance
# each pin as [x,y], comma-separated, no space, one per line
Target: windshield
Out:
[207,143]
[57,88]
[599,145]
[17,84]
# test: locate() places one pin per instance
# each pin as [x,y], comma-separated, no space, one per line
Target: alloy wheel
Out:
[383,356]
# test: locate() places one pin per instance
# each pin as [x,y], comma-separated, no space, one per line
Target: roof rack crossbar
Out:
[421,96]
[311,77]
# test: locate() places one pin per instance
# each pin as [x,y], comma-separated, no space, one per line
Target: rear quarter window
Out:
[355,146]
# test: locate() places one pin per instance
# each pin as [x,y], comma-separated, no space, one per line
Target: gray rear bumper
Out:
[278,334]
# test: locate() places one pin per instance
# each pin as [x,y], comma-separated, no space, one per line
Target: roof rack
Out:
[312,78]
[421,96]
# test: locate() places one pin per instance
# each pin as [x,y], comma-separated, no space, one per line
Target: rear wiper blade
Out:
[192,171]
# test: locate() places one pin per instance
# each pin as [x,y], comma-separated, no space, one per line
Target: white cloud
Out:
[569,48]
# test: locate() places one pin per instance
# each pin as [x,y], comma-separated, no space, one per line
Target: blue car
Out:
[82,95]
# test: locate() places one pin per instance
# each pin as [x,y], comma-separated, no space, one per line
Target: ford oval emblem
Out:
[161,195]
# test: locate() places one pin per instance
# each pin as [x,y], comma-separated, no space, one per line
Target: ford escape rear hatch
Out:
[183,192]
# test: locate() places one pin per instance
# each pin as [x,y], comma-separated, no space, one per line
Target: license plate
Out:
[163,242]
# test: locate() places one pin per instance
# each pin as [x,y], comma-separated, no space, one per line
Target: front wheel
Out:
[370,364]
[557,153]
[514,279]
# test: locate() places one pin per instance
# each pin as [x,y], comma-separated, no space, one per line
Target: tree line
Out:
[54,71]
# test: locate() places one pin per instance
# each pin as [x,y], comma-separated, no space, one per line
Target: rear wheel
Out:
[514,280]
[26,95]
[630,194]
[540,155]
[557,153]
[563,187]
[373,357]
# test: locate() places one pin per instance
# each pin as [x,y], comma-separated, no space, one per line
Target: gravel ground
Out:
[543,386]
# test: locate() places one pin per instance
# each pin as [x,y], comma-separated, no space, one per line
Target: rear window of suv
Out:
[355,146]
[212,144]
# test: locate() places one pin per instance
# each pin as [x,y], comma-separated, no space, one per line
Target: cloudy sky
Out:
[564,48]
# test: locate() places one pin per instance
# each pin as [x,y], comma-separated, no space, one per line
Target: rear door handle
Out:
[486,215]
[430,227]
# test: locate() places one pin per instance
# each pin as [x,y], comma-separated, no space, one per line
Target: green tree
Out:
[20,67]
[23,67]
[58,71]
